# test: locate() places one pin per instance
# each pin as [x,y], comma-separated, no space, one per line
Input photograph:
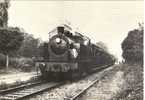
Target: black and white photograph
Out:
[71,49]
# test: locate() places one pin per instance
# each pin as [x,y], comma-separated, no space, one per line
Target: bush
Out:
[133,85]
[25,64]
[13,62]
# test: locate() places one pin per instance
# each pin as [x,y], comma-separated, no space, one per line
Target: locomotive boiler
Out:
[70,54]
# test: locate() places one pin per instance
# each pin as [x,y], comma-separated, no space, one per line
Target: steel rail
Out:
[18,87]
[27,91]
[80,93]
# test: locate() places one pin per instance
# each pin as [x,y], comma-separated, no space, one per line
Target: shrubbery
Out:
[23,64]
[26,64]
[133,85]
[132,47]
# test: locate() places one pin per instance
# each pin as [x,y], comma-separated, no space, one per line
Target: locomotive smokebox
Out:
[60,30]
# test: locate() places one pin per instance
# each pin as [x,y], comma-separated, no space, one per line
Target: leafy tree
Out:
[102,45]
[29,47]
[4,5]
[10,41]
[132,46]
[43,50]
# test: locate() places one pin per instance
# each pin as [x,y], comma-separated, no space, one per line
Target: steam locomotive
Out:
[70,54]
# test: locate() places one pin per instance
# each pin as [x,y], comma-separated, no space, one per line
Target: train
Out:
[69,54]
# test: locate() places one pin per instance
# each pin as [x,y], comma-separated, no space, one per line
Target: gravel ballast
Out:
[67,90]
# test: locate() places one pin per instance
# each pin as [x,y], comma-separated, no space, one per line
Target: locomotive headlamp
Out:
[58,45]
[58,40]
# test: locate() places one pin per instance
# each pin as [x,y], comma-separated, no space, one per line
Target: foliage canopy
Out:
[10,40]
[132,46]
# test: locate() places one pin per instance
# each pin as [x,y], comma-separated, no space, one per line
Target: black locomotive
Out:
[69,54]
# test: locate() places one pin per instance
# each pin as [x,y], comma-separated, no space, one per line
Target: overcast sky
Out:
[106,21]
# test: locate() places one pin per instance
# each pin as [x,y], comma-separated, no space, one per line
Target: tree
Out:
[4,5]
[132,46]
[29,46]
[10,41]
[102,45]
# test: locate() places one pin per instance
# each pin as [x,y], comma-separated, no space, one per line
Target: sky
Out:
[106,21]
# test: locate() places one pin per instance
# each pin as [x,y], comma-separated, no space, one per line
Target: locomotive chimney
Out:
[60,30]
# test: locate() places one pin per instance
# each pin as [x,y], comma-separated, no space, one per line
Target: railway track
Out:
[22,92]
[82,91]
[76,96]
